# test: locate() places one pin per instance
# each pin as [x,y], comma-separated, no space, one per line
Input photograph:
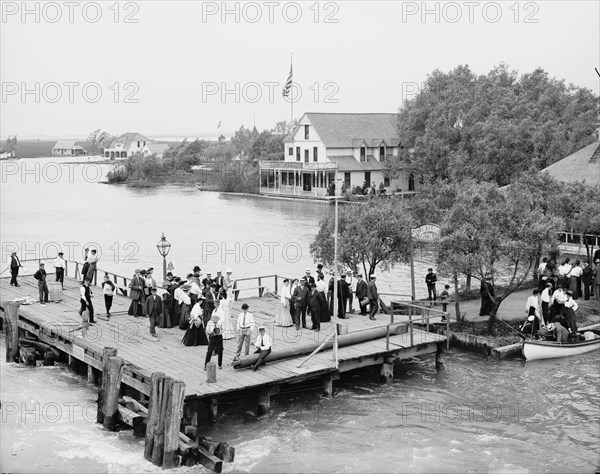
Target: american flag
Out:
[288,84]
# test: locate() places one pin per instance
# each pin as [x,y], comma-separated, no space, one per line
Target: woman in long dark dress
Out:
[196,333]
[185,307]
[487,293]
[177,295]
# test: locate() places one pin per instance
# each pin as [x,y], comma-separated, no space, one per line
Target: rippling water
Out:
[476,416]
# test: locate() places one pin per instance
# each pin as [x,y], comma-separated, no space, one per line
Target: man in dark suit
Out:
[373,296]
[15,264]
[300,300]
[208,305]
[40,276]
[343,294]
[208,280]
[318,307]
[154,309]
[219,280]
[361,293]
[309,280]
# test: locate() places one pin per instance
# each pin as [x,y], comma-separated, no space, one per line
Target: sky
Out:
[179,68]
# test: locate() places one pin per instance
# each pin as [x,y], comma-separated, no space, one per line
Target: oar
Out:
[516,330]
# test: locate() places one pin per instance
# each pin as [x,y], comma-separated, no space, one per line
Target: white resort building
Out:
[325,146]
[126,145]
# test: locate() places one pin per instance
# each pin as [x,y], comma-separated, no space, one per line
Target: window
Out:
[347,180]
[138,144]
[284,179]
[315,154]
[368,178]
[411,183]
[363,153]
[306,157]
[291,151]
[382,154]
[386,182]
[297,153]
[306,132]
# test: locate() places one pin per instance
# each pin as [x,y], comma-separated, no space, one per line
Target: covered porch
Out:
[281,178]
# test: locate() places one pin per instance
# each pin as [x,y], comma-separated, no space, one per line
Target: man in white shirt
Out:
[263,347]
[563,271]
[351,289]
[245,323]
[546,296]
[59,265]
[214,328]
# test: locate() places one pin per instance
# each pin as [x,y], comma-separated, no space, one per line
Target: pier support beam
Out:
[107,353]
[11,314]
[213,410]
[91,375]
[156,381]
[264,399]
[439,357]
[111,398]
[328,384]
[172,424]
[158,449]
[387,373]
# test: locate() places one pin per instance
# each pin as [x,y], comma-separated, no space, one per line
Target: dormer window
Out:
[382,153]
[363,153]
[306,134]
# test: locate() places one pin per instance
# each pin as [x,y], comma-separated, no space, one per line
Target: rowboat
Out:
[535,350]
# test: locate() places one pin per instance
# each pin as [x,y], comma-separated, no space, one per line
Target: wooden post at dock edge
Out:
[387,373]
[173,423]
[264,398]
[111,396]
[439,357]
[159,436]
[107,353]
[11,313]
[156,386]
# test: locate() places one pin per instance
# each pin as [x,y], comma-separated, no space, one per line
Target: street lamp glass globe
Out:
[163,246]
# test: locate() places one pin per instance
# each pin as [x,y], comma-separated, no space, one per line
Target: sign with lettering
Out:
[427,232]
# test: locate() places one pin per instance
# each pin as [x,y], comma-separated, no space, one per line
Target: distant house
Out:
[583,165]
[126,145]
[157,149]
[68,148]
[104,141]
[323,146]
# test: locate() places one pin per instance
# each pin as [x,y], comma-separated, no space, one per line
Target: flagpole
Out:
[292,93]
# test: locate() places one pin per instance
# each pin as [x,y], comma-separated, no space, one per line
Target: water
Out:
[476,416]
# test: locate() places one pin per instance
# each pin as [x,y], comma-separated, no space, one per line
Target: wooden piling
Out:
[111,396]
[173,423]
[107,353]
[11,314]
[158,448]
[156,381]
[264,398]
[387,373]
[213,410]
[327,385]
[91,376]
[439,357]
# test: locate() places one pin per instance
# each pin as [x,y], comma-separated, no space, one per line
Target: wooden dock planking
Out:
[143,356]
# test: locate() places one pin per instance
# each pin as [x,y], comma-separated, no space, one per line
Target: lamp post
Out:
[163,247]
[335,276]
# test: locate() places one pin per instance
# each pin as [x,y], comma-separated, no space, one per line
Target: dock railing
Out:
[413,311]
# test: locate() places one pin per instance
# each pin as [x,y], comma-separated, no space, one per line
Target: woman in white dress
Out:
[284,318]
[225,315]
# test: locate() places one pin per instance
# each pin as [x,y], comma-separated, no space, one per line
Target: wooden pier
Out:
[56,323]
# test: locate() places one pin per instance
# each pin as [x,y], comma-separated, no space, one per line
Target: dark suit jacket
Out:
[372,291]
[318,304]
[343,289]
[300,296]
[14,262]
[137,287]
[309,281]
[361,289]
[209,300]
[154,306]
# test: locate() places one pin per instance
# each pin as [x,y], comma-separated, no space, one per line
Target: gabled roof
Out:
[580,166]
[342,130]
[349,163]
[128,138]
[68,145]
[157,147]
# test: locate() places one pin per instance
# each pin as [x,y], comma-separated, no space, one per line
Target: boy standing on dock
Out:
[214,329]
[431,279]
[245,323]
[59,266]
[154,309]
[40,276]
[15,264]
[85,298]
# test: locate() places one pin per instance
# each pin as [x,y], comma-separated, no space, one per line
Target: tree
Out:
[377,233]
[241,143]
[493,127]
[267,146]
[93,142]
[495,233]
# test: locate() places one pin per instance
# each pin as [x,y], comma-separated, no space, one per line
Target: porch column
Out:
[260,175]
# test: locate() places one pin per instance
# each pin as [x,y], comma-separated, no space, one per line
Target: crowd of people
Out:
[551,309]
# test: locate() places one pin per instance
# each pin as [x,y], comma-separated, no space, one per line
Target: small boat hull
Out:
[536,350]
